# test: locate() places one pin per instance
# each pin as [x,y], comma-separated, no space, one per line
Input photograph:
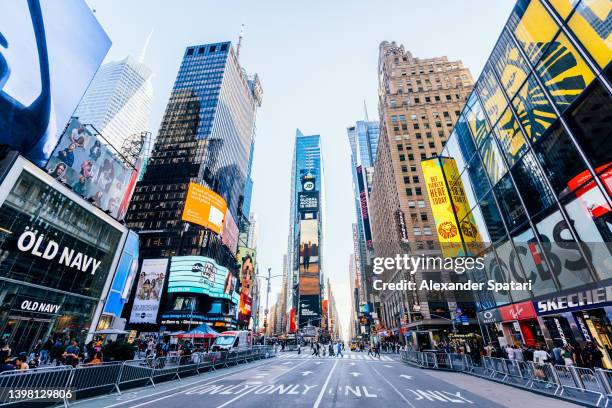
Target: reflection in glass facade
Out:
[540,170]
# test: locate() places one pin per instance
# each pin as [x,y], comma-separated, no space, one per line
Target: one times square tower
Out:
[206,137]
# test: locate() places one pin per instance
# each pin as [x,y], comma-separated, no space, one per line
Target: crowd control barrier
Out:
[87,380]
[575,384]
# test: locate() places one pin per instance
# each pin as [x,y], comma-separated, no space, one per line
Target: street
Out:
[306,381]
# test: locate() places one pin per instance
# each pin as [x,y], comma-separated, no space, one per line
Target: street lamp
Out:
[267,278]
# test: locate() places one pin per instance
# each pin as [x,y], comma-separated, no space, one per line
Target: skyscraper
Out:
[206,138]
[118,100]
[305,232]
[363,140]
[420,100]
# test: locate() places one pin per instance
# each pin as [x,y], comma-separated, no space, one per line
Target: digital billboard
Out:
[309,258]
[308,201]
[310,310]
[49,52]
[204,207]
[92,169]
[126,271]
[449,204]
[246,259]
[229,236]
[202,275]
[363,205]
[149,290]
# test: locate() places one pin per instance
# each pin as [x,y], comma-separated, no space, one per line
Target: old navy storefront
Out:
[56,255]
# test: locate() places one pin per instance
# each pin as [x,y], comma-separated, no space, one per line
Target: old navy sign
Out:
[40,307]
[30,241]
[585,299]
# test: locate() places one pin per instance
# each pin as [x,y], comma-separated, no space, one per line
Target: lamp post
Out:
[268,289]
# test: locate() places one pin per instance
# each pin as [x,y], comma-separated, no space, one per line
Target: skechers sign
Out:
[586,299]
[31,242]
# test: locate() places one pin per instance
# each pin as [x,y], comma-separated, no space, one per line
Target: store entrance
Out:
[22,333]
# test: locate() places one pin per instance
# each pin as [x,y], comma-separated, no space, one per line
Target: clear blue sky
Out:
[317,61]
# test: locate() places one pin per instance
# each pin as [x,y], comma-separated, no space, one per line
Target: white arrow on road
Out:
[408,377]
[387,365]
[319,362]
[354,374]
[305,373]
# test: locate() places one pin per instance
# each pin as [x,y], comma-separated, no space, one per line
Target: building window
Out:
[404,169]
[421,204]
[423,217]
[410,156]
[411,204]
[406,180]
[402,157]
[409,192]
[415,179]
[417,191]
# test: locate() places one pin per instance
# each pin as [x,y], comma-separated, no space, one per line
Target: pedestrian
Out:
[331,349]
[339,352]
[518,354]
[71,354]
[510,352]
[540,356]
[45,351]
[567,355]
[592,356]
[556,354]
[577,355]
[377,350]
[370,350]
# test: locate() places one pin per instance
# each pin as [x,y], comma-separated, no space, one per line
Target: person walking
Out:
[339,351]
[313,347]
[377,350]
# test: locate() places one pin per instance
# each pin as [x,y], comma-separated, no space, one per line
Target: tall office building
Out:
[305,233]
[206,138]
[419,102]
[118,100]
[363,140]
[533,152]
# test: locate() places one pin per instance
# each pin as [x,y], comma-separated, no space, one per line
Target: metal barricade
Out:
[188,365]
[544,378]
[605,379]
[164,366]
[91,376]
[55,377]
[134,371]
[575,381]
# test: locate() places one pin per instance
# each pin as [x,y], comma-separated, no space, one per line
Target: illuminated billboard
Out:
[229,236]
[310,310]
[363,205]
[309,258]
[92,169]
[149,290]
[201,275]
[49,52]
[449,206]
[246,259]
[204,207]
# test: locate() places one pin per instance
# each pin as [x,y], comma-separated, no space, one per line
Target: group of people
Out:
[333,348]
[569,355]
[56,351]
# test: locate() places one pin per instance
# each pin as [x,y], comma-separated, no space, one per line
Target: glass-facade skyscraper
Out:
[305,233]
[363,140]
[118,100]
[205,137]
[533,148]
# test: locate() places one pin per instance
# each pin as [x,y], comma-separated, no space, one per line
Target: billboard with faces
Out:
[92,169]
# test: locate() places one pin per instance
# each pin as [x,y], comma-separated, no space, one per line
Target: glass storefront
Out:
[55,259]
[534,148]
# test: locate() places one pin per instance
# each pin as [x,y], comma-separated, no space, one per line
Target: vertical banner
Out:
[246,259]
[149,290]
[449,206]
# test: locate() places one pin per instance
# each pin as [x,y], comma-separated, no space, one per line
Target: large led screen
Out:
[202,275]
[49,52]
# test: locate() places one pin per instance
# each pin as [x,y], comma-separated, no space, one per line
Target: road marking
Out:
[354,374]
[218,378]
[305,373]
[432,395]
[389,366]
[408,377]
[394,389]
[318,401]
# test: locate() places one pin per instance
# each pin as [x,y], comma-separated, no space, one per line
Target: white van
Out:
[228,340]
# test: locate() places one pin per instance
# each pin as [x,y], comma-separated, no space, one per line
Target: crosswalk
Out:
[352,356]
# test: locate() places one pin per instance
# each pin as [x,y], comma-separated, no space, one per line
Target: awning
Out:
[203,331]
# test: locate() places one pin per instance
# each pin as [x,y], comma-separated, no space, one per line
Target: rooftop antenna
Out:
[240,41]
[145,47]
[365,110]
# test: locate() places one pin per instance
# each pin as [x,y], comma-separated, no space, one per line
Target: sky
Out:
[317,62]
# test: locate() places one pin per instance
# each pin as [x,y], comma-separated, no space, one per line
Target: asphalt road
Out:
[303,381]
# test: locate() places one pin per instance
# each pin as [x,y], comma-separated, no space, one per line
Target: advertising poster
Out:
[363,204]
[448,204]
[309,257]
[49,52]
[149,290]
[204,207]
[308,201]
[246,259]
[202,275]
[91,169]
[229,236]
[310,311]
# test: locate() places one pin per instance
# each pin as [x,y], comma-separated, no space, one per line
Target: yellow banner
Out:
[448,204]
